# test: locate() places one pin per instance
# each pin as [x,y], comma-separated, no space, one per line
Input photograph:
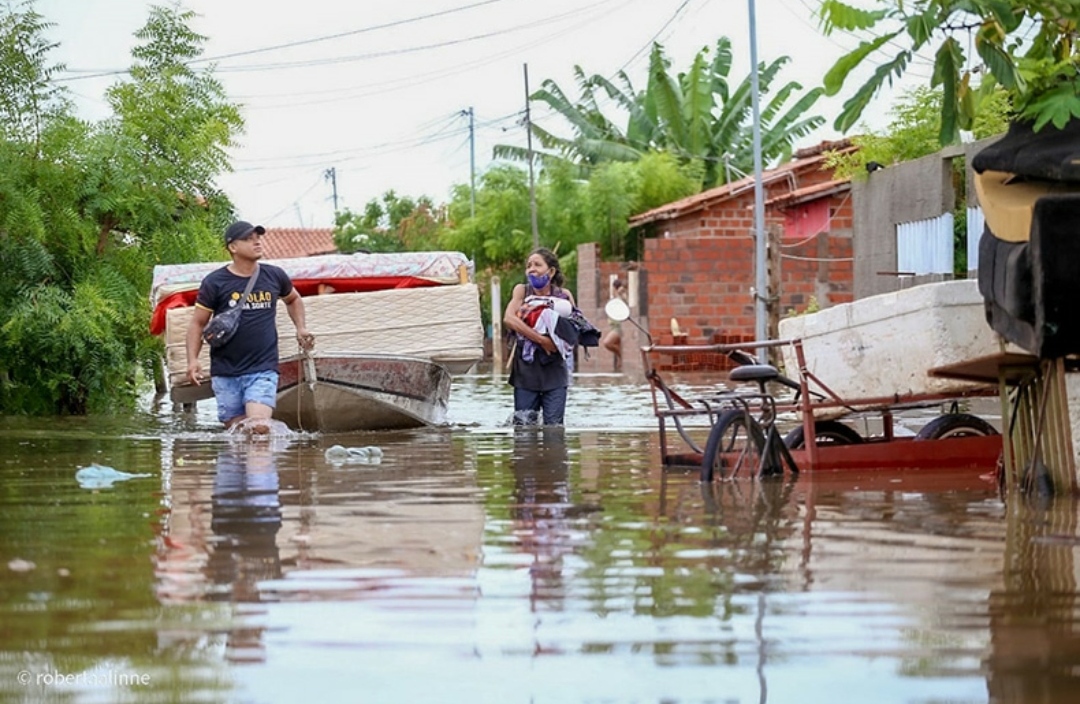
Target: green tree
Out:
[500,232]
[698,116]
[570,211]
[1027,47]
[913,132]
[87,210]
[155,162]
[390,224]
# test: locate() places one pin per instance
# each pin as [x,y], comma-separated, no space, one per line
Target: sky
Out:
[358,98]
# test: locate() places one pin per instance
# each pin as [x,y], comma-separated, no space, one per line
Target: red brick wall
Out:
[702,282]
[820,268]
[699,269]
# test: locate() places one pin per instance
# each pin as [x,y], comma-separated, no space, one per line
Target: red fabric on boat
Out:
[306,287]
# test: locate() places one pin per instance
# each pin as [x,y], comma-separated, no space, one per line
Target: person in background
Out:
[612,340]
[541,363]
[244,371]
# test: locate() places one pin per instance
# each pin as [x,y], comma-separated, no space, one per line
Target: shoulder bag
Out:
[223,326]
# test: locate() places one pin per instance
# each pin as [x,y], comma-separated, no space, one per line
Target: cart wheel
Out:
[955,425]
[826,432]
[733,445]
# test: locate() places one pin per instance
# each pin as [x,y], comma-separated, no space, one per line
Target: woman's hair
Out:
[553,263]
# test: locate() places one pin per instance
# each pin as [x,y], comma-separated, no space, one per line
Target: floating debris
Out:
[20,565]
[98,476]
[339,454]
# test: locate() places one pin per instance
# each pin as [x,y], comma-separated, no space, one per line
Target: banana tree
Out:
[695,116]
[1027,47]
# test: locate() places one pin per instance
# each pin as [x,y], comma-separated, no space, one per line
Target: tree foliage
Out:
[87,210]
[698,116]
[913,132]
[570,211]
[390,224]
[1028,48]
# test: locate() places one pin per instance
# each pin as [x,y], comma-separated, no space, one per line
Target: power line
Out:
[354,154]
[649,43]
[359,57]
[362,30]
[412,49]
[98,73]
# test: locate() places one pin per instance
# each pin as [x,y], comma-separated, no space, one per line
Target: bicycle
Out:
[745,435]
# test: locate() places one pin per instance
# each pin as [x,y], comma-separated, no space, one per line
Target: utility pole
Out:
[529,154]
[331,176]
[761,282]
[472,161]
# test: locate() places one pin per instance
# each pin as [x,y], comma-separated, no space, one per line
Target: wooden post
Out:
[496,326]
[1037,433]
[772,305]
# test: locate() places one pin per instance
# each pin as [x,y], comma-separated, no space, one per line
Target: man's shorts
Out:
[233,392]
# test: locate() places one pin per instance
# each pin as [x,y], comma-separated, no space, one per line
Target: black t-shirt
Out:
[254,347]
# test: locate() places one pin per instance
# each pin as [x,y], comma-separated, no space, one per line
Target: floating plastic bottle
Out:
[339,454]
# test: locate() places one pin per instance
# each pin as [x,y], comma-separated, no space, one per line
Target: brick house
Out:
[698,263]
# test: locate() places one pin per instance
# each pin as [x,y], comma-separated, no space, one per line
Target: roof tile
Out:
[291,242]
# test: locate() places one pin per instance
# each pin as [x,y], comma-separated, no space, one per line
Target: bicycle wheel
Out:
[826,432]
[955,425]
[735,443]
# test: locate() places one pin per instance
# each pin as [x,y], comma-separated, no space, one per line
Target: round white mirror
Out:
[617,309]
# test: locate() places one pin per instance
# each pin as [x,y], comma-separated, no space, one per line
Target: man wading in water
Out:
[244,371]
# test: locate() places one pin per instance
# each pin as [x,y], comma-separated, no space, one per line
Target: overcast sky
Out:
[377,90]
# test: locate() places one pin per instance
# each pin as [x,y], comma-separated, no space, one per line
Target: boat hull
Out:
[339,393]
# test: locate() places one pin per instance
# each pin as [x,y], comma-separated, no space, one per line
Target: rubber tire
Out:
[728,433]
[826,432]
[955,425]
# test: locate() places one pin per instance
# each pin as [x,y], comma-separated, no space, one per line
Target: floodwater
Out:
[478,563]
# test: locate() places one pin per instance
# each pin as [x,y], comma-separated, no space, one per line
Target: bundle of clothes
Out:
[562,322]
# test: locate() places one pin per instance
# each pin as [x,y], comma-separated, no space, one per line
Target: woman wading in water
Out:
[542,362]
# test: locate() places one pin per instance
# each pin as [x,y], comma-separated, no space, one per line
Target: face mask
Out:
[539,282]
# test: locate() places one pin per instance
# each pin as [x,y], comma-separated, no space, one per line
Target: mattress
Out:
[440,323]
[885,344]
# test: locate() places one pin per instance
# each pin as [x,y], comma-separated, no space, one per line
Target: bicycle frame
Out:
[812,396]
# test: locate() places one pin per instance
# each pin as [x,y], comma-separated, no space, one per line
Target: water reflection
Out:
[220,537]
[1035,614]
[543,510]
[245,520]
[483,563]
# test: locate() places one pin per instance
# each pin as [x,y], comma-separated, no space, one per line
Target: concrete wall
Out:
[913,190]
[591,296]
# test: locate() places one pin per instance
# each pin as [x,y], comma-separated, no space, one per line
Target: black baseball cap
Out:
[240,229]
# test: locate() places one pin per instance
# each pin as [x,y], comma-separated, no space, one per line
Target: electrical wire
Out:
[220,69]
[98,73]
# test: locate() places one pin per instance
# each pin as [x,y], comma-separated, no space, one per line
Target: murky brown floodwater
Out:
[480,564]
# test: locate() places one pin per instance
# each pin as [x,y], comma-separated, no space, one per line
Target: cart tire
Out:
[955,425]
[734,445]
[826,432]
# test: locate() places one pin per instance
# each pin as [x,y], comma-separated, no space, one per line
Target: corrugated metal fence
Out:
[925,246]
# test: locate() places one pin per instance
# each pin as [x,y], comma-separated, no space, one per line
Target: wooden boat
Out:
[390,330]
[344,392]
